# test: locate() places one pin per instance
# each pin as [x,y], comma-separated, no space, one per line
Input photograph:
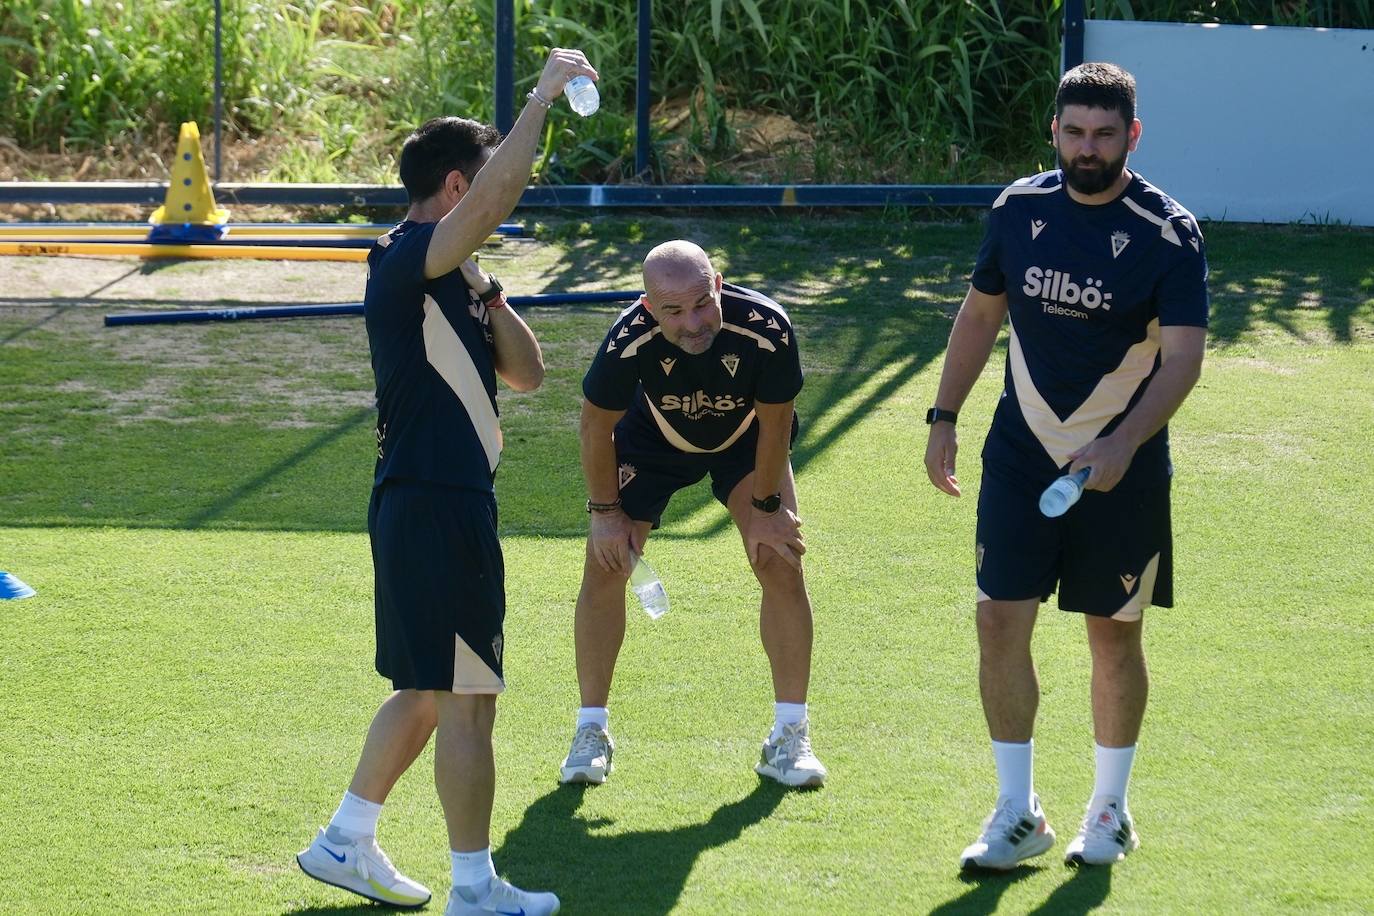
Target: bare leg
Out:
[464,772]
[1006,672]
[599,628]
[1120,684]
[785,616]
[398,733]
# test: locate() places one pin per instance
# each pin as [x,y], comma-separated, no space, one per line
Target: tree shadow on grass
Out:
[641,872]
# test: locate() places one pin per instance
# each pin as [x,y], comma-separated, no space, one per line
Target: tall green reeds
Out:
[888,90]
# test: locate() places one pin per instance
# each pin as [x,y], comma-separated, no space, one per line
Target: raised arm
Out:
[498,186]
[970,344]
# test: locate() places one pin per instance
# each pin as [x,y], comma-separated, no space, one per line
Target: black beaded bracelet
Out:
[603,507]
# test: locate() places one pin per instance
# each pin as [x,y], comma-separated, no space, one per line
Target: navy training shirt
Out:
[431,351]
[701,403]
[1088,288]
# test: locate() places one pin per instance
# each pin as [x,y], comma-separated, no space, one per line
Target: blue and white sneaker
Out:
[1106,837]
[501,898]
[790,760]
[1009,836]
[591,757]
[360,866]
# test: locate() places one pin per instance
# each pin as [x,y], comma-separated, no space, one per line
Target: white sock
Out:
[598,714]
[472,869]
[1014,770]
[356,817]
[786,714]
[1113,773]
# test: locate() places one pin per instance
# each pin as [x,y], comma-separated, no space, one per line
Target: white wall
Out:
[1251,123]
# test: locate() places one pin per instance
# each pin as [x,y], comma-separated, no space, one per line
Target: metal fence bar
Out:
[505,65]
[1072,54]
[325,310]
[642,92]
[594,196]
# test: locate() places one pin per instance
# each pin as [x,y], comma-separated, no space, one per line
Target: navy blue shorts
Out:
[651,470]
[1110,555]
[440,592]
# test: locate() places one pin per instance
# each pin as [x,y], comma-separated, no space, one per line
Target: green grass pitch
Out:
[187,694]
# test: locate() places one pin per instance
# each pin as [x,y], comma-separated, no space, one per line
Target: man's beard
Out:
[1092,180]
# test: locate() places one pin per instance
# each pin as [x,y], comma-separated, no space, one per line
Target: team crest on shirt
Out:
[1037,227]
[1128,582]
[627,474]
[978,557]
[667,364]
[731,362]
[1119,242]
[497,644]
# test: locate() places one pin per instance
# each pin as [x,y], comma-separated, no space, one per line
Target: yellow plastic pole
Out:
[63,249]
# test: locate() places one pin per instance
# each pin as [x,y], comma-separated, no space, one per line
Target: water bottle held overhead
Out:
[1063,493]
[583,96]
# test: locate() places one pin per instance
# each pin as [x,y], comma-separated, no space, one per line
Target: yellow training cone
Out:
[189,198]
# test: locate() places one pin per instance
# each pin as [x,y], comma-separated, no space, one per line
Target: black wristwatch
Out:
[769,504]
[935,415]
[491,293]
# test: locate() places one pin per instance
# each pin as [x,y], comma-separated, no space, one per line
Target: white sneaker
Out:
[1106,836]
[589,760]
[1009,836]
[789,759]
[502,898]
[360,866]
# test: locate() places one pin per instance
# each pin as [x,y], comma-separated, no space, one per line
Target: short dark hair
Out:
[1097,85]
[439,146]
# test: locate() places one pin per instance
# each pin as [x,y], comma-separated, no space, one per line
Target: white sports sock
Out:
[1113,772]
[1014,771]
[786,714]
[472,871]
[598,714]
[356,817]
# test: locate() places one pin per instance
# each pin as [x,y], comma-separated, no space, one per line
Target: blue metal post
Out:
[219,83]
[1074,15]
[505,65]
[642,97]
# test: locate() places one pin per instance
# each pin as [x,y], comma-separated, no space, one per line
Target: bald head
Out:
[682,291]
[675,266]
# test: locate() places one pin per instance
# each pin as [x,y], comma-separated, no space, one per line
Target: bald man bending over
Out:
[696,378]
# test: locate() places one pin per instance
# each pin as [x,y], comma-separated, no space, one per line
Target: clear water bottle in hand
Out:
[582,96]
[644,582]
[1063,493]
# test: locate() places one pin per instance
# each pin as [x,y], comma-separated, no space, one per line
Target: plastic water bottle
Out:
[644,582]
[1063,493]
[582,96]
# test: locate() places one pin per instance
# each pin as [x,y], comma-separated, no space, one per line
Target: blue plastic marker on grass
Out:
[12,587]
